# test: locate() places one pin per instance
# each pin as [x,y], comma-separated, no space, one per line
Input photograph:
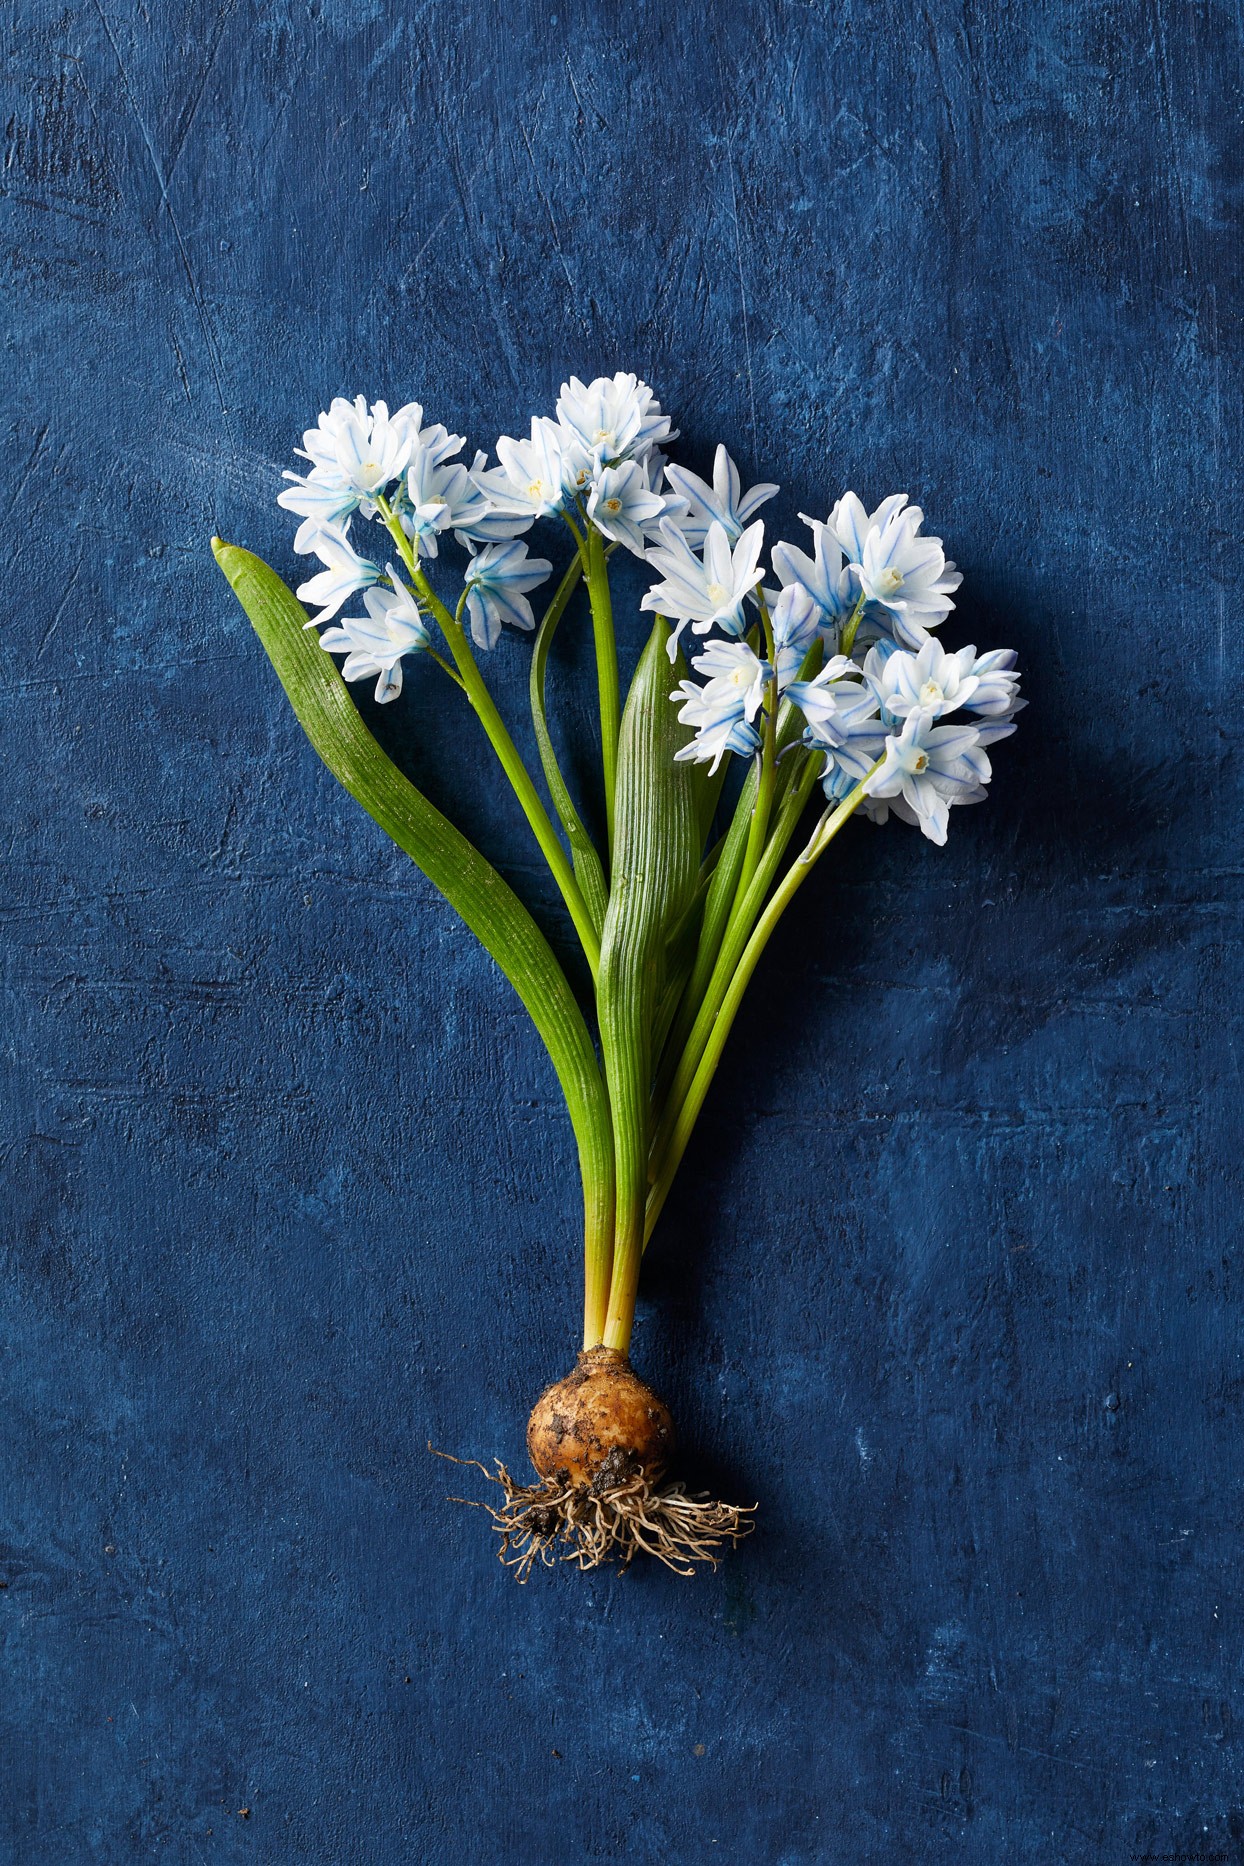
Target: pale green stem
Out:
[853,622]
[588,868]
[768,768]
[507,752]
[827,828]
[597,569]
[738,929]
[452,671]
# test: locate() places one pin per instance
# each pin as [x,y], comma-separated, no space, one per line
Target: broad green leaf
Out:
[452,864]
[680,953]
[656,858]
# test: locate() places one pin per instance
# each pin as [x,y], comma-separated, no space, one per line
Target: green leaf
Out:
[727,870]
[656,857]
[680,953]
[708,788]
[587,863]
[452,864]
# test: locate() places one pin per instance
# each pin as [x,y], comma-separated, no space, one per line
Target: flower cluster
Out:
[599,463]
[844,636]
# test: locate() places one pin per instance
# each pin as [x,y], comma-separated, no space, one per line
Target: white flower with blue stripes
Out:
[796,624]
[437,495]
[996,700]
[375,643]
[831,703]
[723,503]
[706,591]
[929,768]
[851,524]
[611,419]
[906,575]
[527,484]
[344,572]
[623,506]
[360,448]
[497,581]
[722,709]
[320,504]
[824,576]
[930,681]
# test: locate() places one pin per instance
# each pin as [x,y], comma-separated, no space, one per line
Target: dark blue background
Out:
[949,1281]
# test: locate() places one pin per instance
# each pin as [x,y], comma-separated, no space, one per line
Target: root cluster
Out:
[618,1515]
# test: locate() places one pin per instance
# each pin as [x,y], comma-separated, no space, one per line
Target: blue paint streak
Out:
[949,1282]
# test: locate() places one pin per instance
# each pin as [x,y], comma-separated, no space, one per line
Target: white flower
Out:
[723,708]
[795,624]
[375,643]
[528,483]
[475,519]
[986,685]
[932,681]
[907,575]
[361,449]
[824,576]
[851,524]
[710,591]
[497,579]
[996,700]
[624,507]
[356,454]
[611,419]
[862,742]
[929,768]
[345,571]
[834,702]
[724,502]
[436,495]
[319,503]
[838,783]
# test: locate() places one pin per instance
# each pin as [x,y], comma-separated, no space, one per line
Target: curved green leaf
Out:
[452,864]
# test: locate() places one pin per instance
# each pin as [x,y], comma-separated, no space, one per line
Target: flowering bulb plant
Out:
[818,672]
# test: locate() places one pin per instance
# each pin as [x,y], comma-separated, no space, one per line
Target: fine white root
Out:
[619,1515]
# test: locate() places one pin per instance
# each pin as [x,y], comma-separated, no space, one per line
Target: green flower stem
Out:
[827,828]
[606,668]
[588,868]
[734,941]
[768,767]
[853,622]
[507,752]
[448,667]
[724,886]
[718,903]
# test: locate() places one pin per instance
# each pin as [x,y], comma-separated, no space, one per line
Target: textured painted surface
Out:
[949,1283]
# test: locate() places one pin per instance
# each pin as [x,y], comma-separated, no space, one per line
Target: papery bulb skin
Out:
[600,1420]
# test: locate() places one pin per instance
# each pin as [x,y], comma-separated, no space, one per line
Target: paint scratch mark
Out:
[226,13]
[548,208]
[153,158]
[28,470]
[738,258]
[59,611]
